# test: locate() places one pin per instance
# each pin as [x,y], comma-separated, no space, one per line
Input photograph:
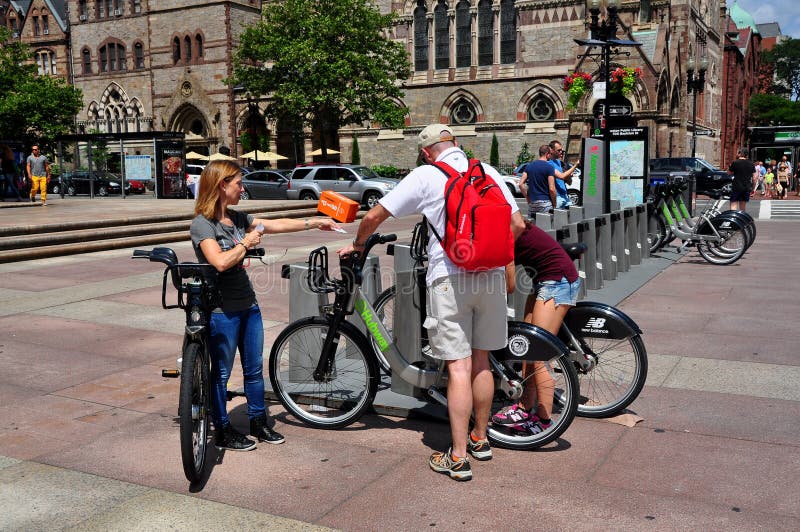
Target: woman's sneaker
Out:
[480,450]
[457,469]
[232,440]
[511,415]
[534,427]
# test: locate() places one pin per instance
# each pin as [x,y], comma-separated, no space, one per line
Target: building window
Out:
[121,57]
[485,33]
[46,24]
[420,37]
[109,7]
[176,51]
[37,30]
[441,32]
[645,12]
[83,11]
[112,57]
[86,56]
[463,112]
[187,48]
[463,34]
[199,40]
[101,8]
[508,32]
[541,109]
[137,6]
[138,53]
[46,61]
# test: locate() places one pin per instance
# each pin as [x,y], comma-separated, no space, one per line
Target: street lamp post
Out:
[695,83]
[601,31]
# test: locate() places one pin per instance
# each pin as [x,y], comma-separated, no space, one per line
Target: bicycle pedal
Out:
[170,373]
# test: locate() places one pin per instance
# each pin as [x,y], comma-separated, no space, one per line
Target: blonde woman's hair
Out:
[208,192]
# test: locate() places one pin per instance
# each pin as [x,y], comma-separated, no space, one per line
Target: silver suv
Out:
[358,183]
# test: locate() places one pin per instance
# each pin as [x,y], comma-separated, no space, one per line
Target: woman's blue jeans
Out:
[230,330]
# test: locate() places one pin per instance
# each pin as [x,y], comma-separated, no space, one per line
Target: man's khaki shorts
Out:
[466,311]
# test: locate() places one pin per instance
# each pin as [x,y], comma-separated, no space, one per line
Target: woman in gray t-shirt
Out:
[221,237]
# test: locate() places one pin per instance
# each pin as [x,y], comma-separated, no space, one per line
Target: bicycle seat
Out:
[574,250]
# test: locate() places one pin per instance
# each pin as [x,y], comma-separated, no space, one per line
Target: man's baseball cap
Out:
[433,134]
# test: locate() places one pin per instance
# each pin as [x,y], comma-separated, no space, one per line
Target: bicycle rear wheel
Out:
[329,403]
[193,408]
[656,232]
[731,249]
[565,403]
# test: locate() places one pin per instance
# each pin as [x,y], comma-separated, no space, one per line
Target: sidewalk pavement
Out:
[89,440]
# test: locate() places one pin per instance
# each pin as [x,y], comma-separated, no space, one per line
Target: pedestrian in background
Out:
[743,171]
[783,175]
[563,177]
[538,184]
[769,180]
[38,169]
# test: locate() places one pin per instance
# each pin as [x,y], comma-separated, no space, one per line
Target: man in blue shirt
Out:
[538,183]
[563,177]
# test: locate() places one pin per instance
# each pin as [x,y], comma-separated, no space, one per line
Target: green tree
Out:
[325,63]
[773,110]
[494,152]
[33,109]
[524,154]
[785,58]
[355,156]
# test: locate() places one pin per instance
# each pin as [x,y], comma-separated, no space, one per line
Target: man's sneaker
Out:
[534,427]
[480,450]
[232,440]
[457,469]
[511,415]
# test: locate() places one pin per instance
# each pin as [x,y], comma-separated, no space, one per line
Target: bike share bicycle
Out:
[325,372]
[197,296]
[605,345]
[720,237]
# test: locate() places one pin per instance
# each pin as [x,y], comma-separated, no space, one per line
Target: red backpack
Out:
[477,234]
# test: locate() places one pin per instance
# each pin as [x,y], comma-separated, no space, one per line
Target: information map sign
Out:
[628,151]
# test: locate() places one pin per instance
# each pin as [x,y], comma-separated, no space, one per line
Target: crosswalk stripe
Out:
[783,209]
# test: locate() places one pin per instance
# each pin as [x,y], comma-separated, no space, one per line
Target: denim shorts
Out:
[563,292]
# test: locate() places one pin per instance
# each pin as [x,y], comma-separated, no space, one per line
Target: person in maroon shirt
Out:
[556,285]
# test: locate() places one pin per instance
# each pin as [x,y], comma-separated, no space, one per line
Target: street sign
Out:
[704,132]
[619,110]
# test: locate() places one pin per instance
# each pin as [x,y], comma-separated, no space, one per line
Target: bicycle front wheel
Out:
[565,403]
[617,378]
[656,232]
[193,410]
[336,400]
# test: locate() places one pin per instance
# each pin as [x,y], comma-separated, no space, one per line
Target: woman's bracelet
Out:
[308,224]
[243,245]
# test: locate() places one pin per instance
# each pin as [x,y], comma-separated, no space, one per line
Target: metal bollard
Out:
[605,257]
[632,243]
[575,214]
[407,332]
[302,302]
[618,240]
[593,278]
[544,221]
[560,218]
[641,215]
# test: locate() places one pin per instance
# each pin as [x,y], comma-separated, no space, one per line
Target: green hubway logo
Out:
[371,321]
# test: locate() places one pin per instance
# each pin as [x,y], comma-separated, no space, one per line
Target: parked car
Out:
[358,183]
[193,172]
[138,186]
[105,183]
[708,180]
[264,184]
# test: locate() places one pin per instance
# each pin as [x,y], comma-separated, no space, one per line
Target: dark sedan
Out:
[104,183]
[264,184]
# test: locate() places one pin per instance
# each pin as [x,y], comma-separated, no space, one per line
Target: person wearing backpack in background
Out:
[466,309]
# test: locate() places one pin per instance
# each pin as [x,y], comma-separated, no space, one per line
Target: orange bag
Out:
[338,207]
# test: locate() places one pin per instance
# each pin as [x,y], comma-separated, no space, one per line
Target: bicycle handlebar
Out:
[318,279]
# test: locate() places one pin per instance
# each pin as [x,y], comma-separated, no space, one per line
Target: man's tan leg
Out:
[482,391]
[459,402]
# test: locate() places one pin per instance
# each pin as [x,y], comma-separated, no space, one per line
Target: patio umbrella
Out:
[196,156]
[319,152]
[263,156]
[221,157]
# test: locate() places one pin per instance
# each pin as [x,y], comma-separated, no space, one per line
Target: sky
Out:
[785,12]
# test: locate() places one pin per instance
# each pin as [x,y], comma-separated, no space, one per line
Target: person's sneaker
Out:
[511,415]
[33,200]
[534,427]
[232,440]
[260,431]
[480,450]
[44,204]
[457,469]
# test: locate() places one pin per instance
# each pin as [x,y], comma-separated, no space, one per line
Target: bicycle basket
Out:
[318,280]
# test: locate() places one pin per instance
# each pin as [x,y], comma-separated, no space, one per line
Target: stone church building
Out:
[487,67]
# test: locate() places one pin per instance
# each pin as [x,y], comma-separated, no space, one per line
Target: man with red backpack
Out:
[462,201]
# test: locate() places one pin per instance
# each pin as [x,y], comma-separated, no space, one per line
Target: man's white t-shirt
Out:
[422,192]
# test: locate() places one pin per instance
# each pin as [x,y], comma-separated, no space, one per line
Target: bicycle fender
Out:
[739,216]
[598,320]
[530,343]
[720,221]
